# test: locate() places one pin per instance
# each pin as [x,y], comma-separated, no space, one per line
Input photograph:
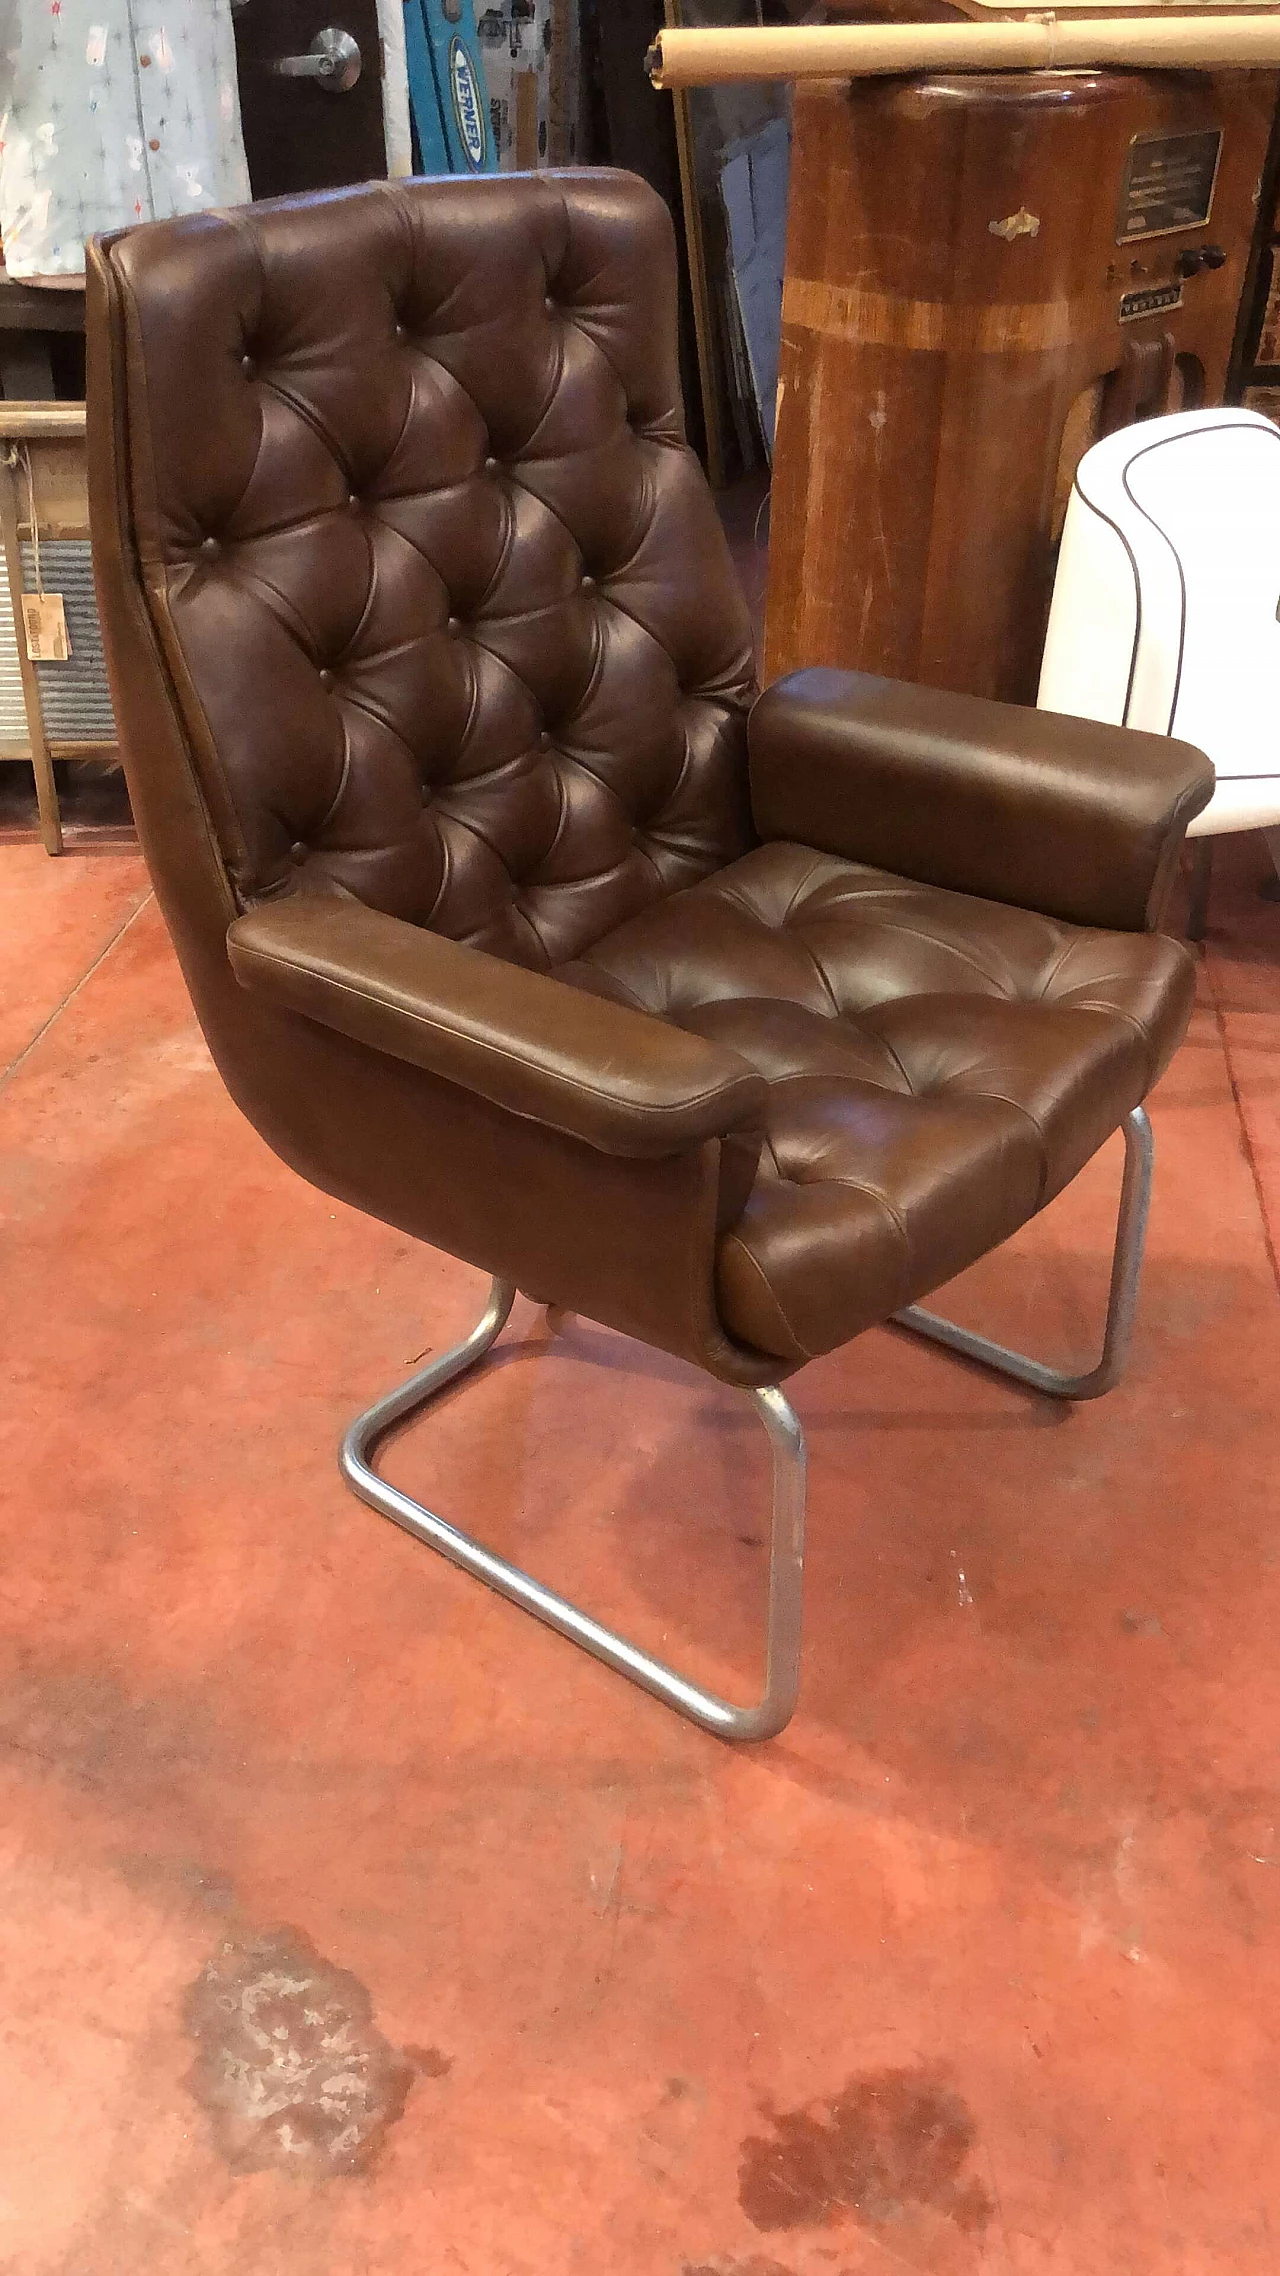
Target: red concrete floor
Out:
[353,1925]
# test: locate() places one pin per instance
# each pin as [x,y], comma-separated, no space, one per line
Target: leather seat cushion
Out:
[939,1067]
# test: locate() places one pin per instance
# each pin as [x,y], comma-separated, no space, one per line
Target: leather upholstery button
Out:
[210,545]
[326,678]
[454,627]
[491,465]
[588,584]
[549,304]
[353,503]
[298,853]
[544,740]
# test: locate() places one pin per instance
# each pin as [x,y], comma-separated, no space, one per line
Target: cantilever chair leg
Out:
[786,1554]
[1126,1271]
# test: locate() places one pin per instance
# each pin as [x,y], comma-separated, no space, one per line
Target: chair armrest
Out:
[618,1079]
[1047,812]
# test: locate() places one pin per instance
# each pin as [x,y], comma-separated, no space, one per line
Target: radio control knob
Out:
[1193,258]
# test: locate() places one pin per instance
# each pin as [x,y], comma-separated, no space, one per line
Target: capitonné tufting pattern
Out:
[451,629]
[938,1068]
[443,587]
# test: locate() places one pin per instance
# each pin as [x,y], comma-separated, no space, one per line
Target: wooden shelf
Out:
[39,308]
[41,422]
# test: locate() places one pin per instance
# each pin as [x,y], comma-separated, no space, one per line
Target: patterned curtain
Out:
[114,111]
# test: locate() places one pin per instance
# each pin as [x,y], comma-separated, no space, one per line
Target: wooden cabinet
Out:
[984,274]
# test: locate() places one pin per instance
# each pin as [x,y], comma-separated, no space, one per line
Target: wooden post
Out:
[703,319]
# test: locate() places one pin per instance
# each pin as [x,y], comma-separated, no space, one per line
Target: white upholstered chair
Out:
[1165,605]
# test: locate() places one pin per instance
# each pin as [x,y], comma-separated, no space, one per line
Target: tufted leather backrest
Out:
[442,589]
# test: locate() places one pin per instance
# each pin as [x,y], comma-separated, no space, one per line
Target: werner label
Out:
[467,110]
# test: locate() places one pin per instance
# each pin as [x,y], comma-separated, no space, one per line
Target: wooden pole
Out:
[700,291]
[1207,42]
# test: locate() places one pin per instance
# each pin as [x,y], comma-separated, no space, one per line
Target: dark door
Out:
[317,122]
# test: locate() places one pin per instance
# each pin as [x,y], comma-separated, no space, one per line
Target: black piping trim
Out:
[1221,427]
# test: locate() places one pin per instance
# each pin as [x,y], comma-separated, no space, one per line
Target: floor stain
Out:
[180,1880]
[429,2062]
[82,1724]
[290,2065]
[757,2265]
[891,2142]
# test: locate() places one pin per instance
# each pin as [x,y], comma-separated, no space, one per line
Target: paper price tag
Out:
[44,621]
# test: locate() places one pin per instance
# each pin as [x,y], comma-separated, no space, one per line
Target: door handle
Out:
[333,60]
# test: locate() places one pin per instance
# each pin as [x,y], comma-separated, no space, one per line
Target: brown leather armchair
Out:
[506,916]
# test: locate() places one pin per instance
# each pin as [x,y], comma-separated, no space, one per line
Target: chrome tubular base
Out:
[786,1551]
[786,1554]
[1126,1271]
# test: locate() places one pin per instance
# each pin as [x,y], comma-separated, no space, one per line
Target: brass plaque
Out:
[1168,184]
[1149,302]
